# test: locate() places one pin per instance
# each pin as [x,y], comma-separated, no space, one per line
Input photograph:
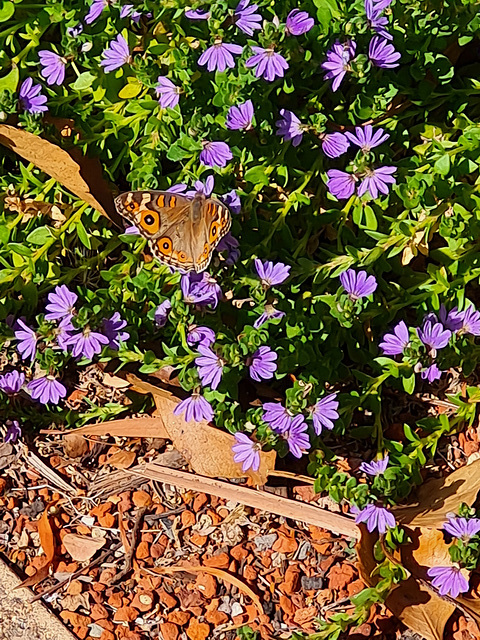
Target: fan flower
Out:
[448,580]
[198,14]
[168,94]
[462,528]
[358,285]
[269,313]
[27,340]
[200,335]
[30,97]
[116,55]
[231,245]
[376,180]
[196,408]
[75,31]
[290,127]
[334,144]
[162,312]
[277,417]
[53,67]
[95,10]
[395,343]
[129,11]
[112,328]
[297,436]
[210,367]
[232,200]
[298,22]
[467,321]
[382,53]
[269,65]
[433,335]
[324,413]
[262,364]
[219,56]
[376,467]
[61,303]
[46,390]
[431,373]
[200,288]
[376,20]
[13,431]
[12,382]
[376,518]
[87,343]
[215,154]
[241,116]
[63,332]
[366,139]
[247,452]
[246,18]
[270,273]
[338,62]
[341,184]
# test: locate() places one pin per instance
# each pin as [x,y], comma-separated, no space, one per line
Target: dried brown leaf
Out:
[82,548]
[439,496]
[74,445]
[122,459]
[129,428]
[47,540]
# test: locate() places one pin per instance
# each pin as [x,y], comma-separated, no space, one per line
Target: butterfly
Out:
[182,232]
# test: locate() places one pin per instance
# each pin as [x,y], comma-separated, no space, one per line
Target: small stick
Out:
[77,573]
[129,555]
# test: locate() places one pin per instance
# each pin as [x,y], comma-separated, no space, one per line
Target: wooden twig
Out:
[255,498]
[77,573]
[44,470]
[131,551]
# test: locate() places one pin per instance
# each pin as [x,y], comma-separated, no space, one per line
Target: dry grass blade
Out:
[129,428]
[44,470]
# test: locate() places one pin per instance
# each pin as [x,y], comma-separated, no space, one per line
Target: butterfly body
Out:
[182,232]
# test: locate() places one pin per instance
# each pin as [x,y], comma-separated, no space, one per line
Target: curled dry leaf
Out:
[122,459]
[47,540]
[82,548]
[440,496]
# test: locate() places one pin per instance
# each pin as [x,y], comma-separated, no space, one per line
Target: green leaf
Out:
[83,235]
[442,165]
[409,384]
[130,90]
[10,81]
[84,81]
[40,235]
[7,9]
[257,175]
[20,249]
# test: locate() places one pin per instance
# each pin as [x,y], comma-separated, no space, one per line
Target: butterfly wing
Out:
[210,221]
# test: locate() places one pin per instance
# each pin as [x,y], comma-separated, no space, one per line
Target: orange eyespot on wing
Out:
[181,256]
[213,232]
[161,201]
[164,245]
[204,255]
[149,221]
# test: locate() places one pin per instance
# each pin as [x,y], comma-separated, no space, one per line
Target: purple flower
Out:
[262,364]
[200,335]
[219,56]
[116,55]
[47,390]
[467,321]
[341,184]
[296,436]
[61,303]
[13,431]
[231,245]
[382,53]
[63,332]
[395,343]
[95,11]
[269,313]
[377,180]
[30,98]
[232,200]
[11,383]
[448,580]
[74,32]
[290,127]
[215,154]
[87,343]
[376,20]
[366,139]
[240,117]
[462,527]
[196,408]
[380,5]
[210,366]
[200,288]
[376,518]
[198,14]
[128,10]
[247,452]
[245,17]
[433,335]
[324,413]
[338,62]
[376,467]
[276,416]
[27,340]
[270,273]
[162,312]
[299,22]
[269,65]
[200,188]
[168,94]
[53,67]
[334,144]
[358,285]
[431,373]
[112,328]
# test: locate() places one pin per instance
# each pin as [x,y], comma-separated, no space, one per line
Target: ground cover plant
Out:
[344,139]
